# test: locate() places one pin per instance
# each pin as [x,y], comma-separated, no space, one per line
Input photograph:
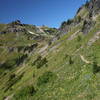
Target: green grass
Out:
[60,80]
[13,39]
[2,26]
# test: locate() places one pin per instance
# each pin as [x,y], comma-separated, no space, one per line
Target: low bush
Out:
[78,45]
[64,23]
[51,30]
[79,19]
[21,59]
[87,4]
[39,62]
[45,78]
[65,56]
[69,21]
[9,64]
[70,60]
[25,92]
[96,68]
[12,76]
[79,38]
[13,79]
[90,15]
[84,24]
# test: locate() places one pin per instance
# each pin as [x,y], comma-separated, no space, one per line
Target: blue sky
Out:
[39,12]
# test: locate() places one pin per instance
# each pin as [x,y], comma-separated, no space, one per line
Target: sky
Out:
[39,12]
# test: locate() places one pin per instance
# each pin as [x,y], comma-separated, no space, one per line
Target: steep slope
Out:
[68,68]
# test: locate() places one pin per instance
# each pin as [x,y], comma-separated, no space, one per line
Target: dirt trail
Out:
[74,35]
[94,39]
[54,47]
[84,60]
[43,49]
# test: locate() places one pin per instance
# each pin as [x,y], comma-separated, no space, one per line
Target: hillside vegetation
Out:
[41,63]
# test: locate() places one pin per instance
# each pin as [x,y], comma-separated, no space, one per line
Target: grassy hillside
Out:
[68,69]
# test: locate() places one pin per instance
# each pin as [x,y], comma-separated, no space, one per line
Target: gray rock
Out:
[94,6]
[87,26]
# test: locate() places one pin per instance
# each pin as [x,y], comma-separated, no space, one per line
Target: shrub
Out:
[9,64]
[79,38]
[85,22]
[33,75]
[96,68]
[12,62]
[12,80]
[45,78]
[12,76]
[51,30]
[84,25]
[79,10]
[66,56]
[21,59]
[87,4]
[39,62]
[78,45]
[79,18]
[70,60]
[17,22]
[63,24]
[69,22]
[90,15]
[25,92]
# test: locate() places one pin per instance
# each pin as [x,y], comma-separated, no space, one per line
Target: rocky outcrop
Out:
[14,27]
[94,6]
[23,49]
[30,48]
[21,59]
[87,26]
[13,30]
